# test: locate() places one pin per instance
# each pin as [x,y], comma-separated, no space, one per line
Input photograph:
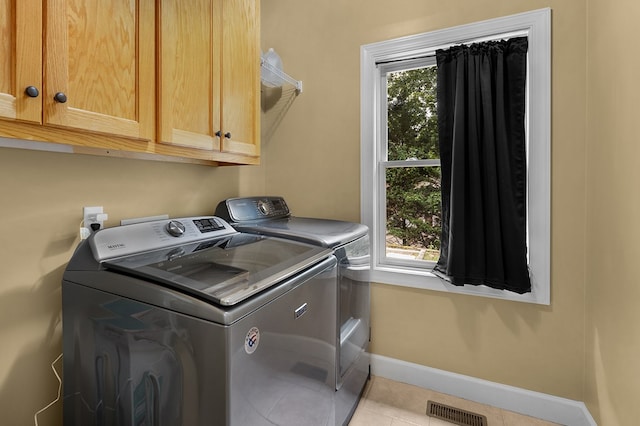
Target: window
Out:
[399,175]
[409,164]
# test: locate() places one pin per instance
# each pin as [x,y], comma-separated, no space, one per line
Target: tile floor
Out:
[389,403]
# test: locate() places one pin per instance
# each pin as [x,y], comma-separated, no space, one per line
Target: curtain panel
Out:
[481,124]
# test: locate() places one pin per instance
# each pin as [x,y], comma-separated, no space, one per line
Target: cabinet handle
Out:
[227,135]
[60,97]
[31,91]
[218,133]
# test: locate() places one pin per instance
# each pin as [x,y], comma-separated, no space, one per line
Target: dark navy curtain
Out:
[481,112]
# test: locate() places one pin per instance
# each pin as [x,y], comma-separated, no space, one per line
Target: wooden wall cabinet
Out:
[160,79]
[21,59]
[80,65]
[209,85]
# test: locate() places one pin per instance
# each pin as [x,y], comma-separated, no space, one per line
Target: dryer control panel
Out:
[250,209]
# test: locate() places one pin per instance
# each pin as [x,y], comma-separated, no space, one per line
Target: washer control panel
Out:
[136,238]
[250,209]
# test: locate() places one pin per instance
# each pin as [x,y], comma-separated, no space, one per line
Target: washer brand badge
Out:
[115,246]
[252,340]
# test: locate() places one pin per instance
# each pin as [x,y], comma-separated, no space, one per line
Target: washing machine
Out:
[349,241]
[190,322]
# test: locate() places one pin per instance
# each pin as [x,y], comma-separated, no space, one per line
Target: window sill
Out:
[425,280]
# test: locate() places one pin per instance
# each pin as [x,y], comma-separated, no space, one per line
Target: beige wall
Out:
[317,143]
[613,206]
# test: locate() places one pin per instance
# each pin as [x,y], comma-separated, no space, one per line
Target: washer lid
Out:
[225,270]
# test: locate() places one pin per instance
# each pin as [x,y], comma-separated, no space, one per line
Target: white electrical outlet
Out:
[94,215]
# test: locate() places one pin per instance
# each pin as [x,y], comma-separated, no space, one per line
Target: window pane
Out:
[413,213]
[412,118]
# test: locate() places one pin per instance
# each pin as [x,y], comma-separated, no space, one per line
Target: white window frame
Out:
[536,26]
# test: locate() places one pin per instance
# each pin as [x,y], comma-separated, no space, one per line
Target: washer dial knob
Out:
[175,228]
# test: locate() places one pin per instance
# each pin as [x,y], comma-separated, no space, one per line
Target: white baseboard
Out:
[547,407]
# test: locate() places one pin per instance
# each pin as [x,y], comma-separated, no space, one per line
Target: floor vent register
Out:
[455,415]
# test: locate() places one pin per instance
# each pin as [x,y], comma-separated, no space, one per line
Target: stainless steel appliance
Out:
[189,322]
[350,244]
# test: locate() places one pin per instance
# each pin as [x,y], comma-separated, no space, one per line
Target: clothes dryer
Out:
[270,216]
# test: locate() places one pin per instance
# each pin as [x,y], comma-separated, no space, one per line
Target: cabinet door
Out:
[189,73]
[20,59]
[99,56]
[241,77]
